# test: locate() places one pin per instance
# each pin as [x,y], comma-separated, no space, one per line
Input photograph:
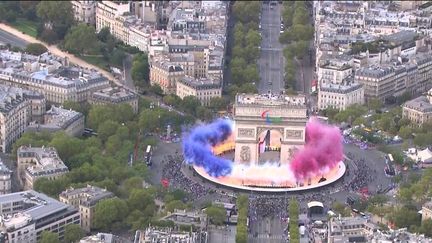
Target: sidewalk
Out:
[56,51]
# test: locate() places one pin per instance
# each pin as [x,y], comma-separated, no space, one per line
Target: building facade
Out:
[5,179]
[114,96]
[38,162]
[85,199]
[340,96]
[59,119]
[14,115]
[108,11]
[203,89]
[418,110]
[84,11]
[26,214]
[48,75]
[166,75]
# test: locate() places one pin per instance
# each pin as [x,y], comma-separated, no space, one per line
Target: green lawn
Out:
[26,26]
[96,60]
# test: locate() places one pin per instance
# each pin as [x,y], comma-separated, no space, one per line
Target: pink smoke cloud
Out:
[323,150]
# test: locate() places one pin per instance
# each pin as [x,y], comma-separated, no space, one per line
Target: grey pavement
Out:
[268,229]
[8,38]
[225,234]
[271,63]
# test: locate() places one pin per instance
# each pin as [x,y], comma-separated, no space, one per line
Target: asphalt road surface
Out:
[8,38]
[268,229]
[271,63]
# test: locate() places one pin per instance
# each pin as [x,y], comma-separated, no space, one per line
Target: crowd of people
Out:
[172,171]
[363,174]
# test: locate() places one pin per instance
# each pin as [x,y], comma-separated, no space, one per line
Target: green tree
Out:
[49,237]
[82,39]
[149,120]
[35,49]
[107,129]
[216,214]
[218,103]
[301,48]
[172,100]
[426,227]
[405,132]
[190,104]
[156,89]
[140,70]
[204,113]
[113,144]
[174,204]
[104,34]
[341,209]
[253,38]
[57,17]
[98,114]
[117,58]
[51,187]
[9,11]
[374,104]
[132,183]
[66,147]
[73,233]
[139,199]
[108,212]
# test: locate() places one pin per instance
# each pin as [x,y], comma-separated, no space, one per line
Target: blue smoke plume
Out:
[197,147]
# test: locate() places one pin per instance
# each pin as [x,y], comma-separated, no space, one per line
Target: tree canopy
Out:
[35,49]
[49,237]
[82,39]
[73,233]
[57,17]
[140,70]
[216,214]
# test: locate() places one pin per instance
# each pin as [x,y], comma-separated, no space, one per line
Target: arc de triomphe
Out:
[255,113]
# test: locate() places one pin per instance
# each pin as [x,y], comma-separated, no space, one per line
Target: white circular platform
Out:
[340,172]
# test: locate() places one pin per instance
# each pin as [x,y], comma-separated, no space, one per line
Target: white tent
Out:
[425,156]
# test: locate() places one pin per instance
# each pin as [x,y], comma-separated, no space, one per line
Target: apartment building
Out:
[203,89]
[38,162]
[154,234]
[335,69]
[47,75]
[108,11]
[85,199]
[26,214]
[115,95]
[104,238]
[384,81]
[84,11]
[340,96]
[59,119]
[14,115]
[5,179]
[166,75]
[139,36]
[350,229]
[418,110]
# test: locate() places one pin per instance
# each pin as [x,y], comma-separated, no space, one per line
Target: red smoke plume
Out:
[323,150]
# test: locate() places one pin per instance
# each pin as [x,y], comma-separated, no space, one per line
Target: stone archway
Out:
[269,145]
[254,115]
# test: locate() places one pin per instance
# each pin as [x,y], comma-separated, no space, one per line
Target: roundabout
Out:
[260,185]
[270,146]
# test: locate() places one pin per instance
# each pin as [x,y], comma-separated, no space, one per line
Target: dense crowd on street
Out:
[362,176]
[172,171]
